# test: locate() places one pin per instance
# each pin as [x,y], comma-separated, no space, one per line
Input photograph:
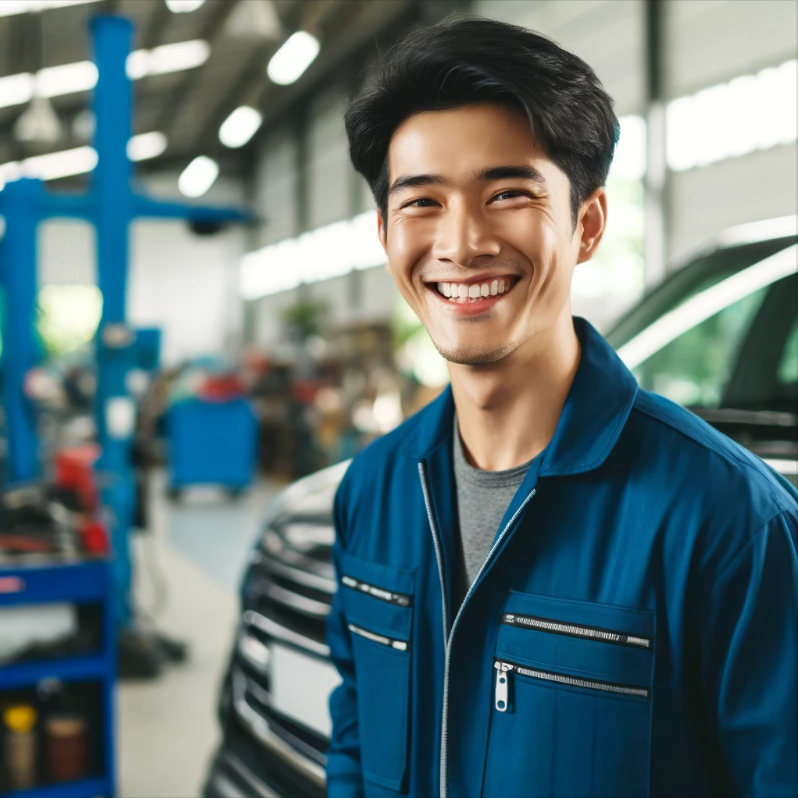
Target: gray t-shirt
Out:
[482,499]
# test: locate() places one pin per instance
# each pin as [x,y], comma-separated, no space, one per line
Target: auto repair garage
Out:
[199,333]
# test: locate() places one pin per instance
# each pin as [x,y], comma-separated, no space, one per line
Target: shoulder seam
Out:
[729,456]
[733,560]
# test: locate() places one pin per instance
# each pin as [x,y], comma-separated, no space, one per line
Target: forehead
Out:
[462,140]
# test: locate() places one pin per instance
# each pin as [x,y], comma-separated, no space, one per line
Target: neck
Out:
[508,411]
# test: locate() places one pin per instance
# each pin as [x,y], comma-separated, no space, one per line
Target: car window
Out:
[694,368]
[694,277]
[788,367]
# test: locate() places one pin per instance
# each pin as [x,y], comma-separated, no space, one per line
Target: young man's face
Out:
[479,233]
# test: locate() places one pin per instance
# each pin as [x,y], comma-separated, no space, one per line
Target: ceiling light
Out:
[38,122]
[254,19]
[66,79]
[183,6]
[240,126]
[60,164]
[16,89]
[9,171]
[289,63]
[146,145]
[167,58]
[198,176]
[10,7]
[82,75]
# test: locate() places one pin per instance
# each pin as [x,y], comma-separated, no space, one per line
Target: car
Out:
[719,335]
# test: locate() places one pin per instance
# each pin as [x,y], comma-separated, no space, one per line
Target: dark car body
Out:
[720,336]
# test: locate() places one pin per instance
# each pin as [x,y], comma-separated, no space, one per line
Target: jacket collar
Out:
[595,411]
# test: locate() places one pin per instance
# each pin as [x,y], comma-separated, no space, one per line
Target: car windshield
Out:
[742,356]
[692,278]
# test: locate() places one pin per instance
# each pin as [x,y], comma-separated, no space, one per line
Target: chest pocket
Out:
[571,711]
[378,604]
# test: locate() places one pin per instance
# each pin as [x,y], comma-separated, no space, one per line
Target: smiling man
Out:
[550,581]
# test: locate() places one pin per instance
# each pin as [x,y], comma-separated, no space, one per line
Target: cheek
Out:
[406,248]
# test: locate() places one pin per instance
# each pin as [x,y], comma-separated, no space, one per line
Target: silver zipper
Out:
[400,599]
[400,645]
[574,630]
[444,771]
[504,669]
[502,686]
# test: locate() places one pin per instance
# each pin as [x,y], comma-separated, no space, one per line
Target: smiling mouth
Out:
[468,293]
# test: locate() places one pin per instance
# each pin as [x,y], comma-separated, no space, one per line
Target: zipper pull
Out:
[502,685]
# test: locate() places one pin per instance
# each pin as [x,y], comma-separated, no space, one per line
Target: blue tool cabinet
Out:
[212,443]
[85,582]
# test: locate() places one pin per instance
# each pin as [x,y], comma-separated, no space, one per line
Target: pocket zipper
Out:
[575,630]
[504,669]
[399,599]
[388,642]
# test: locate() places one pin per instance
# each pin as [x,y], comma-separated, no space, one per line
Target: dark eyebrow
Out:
[518,172]
[414,181]
[522,172]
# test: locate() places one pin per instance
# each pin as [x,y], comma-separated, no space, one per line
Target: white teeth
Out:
[457,292]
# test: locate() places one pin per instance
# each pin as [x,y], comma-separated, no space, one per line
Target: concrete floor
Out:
[167,728]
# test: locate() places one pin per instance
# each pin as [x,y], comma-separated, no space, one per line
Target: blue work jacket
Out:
[633,631]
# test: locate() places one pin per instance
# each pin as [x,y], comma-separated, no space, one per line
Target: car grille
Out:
[291,579]
[287,595]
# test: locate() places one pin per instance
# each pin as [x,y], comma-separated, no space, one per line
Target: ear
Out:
[592,224]
[383,237]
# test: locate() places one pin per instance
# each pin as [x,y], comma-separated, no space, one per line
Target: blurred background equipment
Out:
[150,352]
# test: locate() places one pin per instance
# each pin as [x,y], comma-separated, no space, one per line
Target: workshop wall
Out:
[173,272]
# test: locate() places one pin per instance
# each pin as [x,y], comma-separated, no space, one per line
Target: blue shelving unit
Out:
[76,583]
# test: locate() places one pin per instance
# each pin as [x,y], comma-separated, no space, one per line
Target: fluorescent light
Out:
[183,6]
[79,160]
[10,7]
[785,467]
[146,145]
[82,75]
[9,171]
[705,304]
[240,126]
[60,164]
[323,253]
[198,176]
[16,89]
[167,58]
[66,79]
[293,58]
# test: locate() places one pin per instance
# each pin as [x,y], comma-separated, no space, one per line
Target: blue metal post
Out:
[20,350]
[113,103]
[111,206]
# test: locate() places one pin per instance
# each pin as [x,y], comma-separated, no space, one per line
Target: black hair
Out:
[469,61]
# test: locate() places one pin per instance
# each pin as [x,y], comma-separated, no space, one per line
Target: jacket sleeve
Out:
[750,662]
[344,775]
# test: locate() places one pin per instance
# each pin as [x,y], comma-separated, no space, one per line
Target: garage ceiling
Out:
[188,106]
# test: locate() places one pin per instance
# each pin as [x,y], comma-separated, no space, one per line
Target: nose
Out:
[463,235]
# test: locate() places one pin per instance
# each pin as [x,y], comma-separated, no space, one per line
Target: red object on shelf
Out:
[94,537]
[74,470]
[221,389]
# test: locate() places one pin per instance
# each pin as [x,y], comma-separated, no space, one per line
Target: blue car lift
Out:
[111,204]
